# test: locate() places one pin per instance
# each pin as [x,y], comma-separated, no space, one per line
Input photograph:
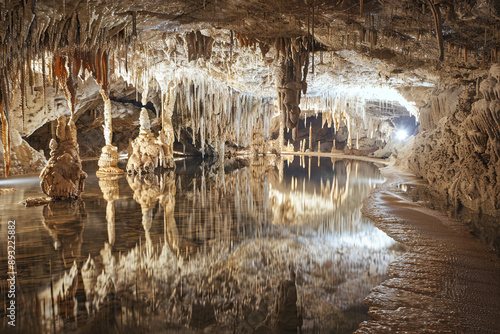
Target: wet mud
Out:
[447,282]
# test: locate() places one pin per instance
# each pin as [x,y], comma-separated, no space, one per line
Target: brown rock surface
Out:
[459,158]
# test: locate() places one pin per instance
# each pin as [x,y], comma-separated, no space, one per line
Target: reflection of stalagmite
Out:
[109,188]
[172,236]
[287,316]
[150,189]
[147,222]
[63,176]
[65,222]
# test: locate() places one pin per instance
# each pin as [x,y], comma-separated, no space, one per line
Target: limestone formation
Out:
[63,177]
[291,78]
[460,158]
[108,161]
[27,160]
[148,153]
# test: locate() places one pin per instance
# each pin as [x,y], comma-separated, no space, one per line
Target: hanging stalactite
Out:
[4,110]
[436,14]
[197,45]
[291,78]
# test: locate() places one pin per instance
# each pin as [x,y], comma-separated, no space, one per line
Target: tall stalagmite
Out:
[63,177]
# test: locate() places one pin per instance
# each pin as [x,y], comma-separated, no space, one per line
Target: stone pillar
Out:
[108,161]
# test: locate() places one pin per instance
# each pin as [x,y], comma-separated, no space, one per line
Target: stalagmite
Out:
[147,152]
[63,176]
[108,161]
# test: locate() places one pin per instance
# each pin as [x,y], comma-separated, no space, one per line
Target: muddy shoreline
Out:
[447,282]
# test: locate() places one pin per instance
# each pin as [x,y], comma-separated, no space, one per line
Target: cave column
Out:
[108,161]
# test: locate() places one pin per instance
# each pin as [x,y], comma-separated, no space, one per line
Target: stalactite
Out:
[4,109]
[197,45]
[436,14]
[23,93]
[312,38]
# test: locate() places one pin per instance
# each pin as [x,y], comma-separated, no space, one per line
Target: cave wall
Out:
[24,158]
[459,156]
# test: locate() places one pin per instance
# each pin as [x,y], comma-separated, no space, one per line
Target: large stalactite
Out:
[291,77]
[4,110]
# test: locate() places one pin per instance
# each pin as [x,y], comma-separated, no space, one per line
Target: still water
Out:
[260,246]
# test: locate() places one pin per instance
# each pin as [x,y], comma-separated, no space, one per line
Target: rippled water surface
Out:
[262,246]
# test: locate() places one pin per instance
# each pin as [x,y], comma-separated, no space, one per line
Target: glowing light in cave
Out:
[401,134]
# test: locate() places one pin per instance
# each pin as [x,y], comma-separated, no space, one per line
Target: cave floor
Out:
[447,282]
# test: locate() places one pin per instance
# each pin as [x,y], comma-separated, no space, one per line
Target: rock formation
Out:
[63,177]
[291,78]
[27,160]
[147,152]
[108,161]
[460,158]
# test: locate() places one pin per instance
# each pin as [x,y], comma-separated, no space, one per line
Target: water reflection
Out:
[251,247]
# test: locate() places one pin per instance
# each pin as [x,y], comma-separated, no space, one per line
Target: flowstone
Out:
[63,177]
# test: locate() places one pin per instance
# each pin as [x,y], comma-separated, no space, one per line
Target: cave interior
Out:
[139,84]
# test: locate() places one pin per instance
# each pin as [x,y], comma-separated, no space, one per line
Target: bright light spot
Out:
[401,134]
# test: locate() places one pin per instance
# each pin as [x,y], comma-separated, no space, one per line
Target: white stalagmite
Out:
[108,161]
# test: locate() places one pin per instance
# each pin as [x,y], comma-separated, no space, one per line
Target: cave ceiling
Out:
[385,50]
